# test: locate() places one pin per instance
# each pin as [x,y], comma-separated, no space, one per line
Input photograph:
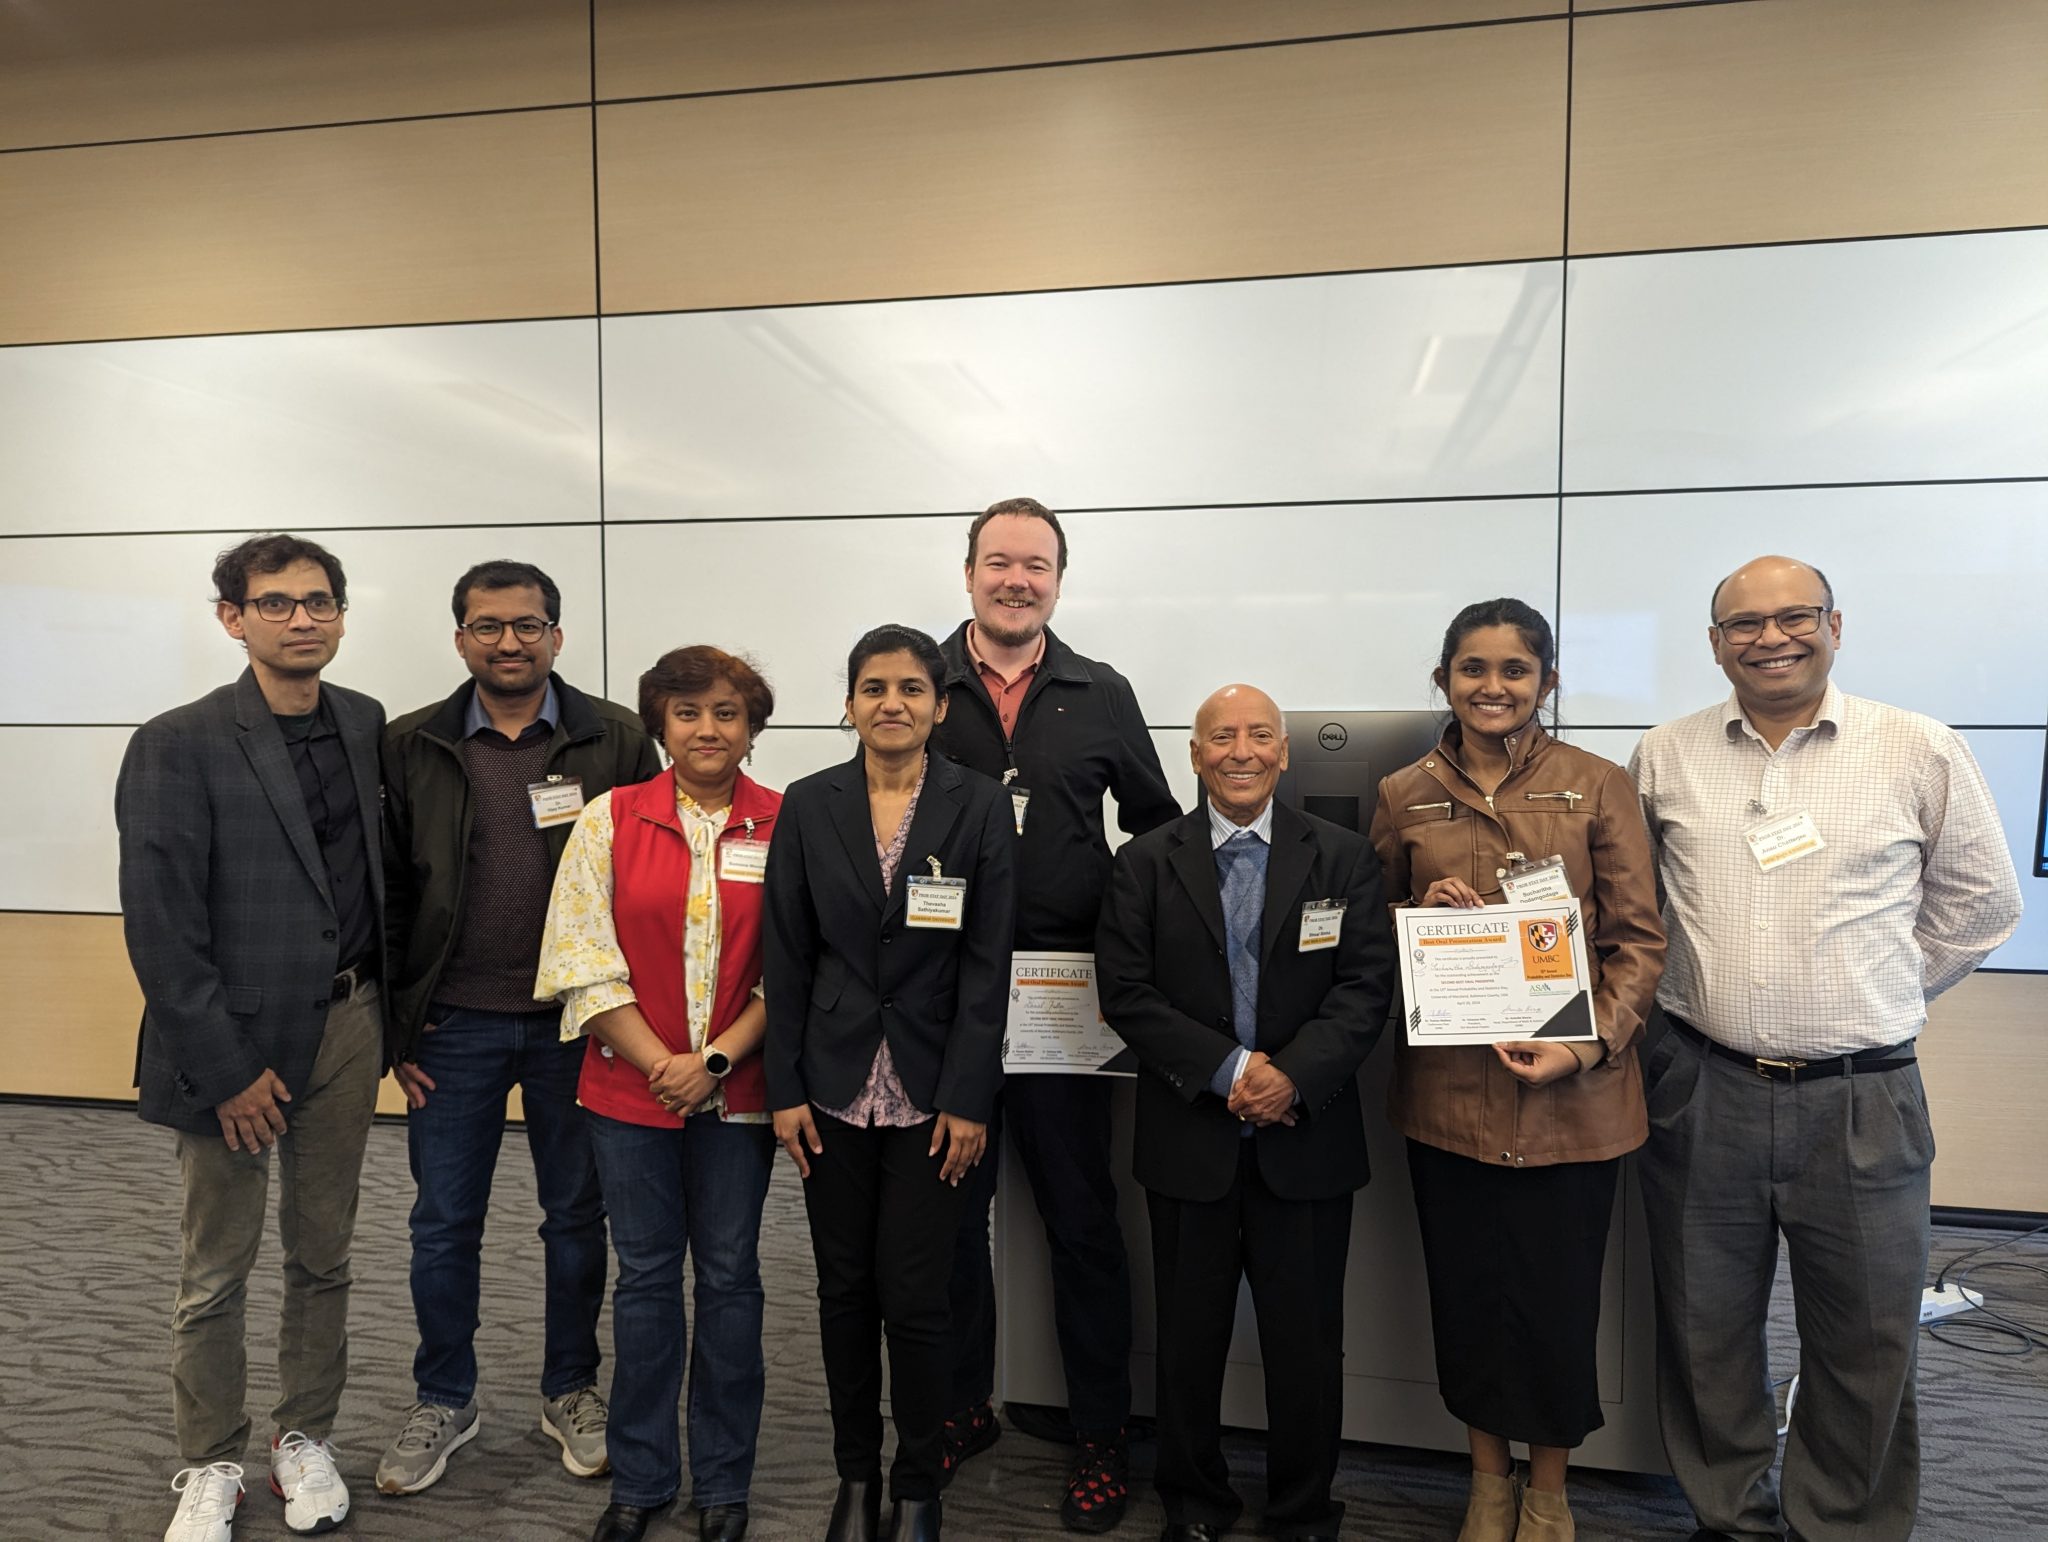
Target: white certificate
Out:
[1495,975]
[1056,1023]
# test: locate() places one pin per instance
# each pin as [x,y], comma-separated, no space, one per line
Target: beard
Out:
[1025,630]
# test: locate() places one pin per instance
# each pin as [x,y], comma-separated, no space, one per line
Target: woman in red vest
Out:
[653,946]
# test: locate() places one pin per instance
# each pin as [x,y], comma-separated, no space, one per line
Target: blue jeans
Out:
[670,1192]
[476,1059]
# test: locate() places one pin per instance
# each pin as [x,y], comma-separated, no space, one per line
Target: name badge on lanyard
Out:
[557,801]
[1020,797]
[1534,883]
[1322,922]
[1788,838]
[744,860]
[937,901]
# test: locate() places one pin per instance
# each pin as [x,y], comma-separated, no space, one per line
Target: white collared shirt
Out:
[1843,949]
[1222,829]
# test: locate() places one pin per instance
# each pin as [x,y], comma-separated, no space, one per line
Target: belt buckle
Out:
[344,987]
[1794,1067]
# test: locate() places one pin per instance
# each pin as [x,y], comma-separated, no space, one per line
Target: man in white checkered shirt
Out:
[1829,866]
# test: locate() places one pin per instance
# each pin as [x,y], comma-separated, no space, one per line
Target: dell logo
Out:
[1331,736]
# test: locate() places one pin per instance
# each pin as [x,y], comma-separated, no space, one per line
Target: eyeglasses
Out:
[281,607]
[526,629]
[1800,621]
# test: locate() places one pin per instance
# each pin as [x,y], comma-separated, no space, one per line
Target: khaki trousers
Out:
[320,1163]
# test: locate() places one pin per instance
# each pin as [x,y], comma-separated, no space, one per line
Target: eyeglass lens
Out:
[279,607]
[527,630]
[1797,622]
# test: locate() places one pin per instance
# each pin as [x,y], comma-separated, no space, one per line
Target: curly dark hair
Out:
[693,670]
[271,554]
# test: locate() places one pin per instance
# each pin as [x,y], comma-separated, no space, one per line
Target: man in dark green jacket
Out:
[481,791]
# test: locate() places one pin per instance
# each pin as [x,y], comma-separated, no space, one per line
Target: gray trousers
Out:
[1840,1167]
[320,1164]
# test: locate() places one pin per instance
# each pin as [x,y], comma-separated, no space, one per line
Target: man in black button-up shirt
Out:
[251,896]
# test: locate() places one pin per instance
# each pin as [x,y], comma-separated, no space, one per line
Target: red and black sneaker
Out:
[968,1433]
[1099,1486]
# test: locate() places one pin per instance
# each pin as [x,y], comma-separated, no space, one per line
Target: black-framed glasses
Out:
[280,607]
[527,629]
[1799,621]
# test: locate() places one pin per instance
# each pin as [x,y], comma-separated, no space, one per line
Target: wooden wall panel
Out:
[657,47]
[73,1008]
[1987,1084]
[457,219]
[1438,147]
[1807,119]
[82,71]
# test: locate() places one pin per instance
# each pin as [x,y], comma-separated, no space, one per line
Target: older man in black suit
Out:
[251,895]
[1245,954]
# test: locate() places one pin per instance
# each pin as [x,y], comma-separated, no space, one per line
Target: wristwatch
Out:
[717,1061]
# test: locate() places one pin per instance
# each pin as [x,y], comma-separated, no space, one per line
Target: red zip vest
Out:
[650,894]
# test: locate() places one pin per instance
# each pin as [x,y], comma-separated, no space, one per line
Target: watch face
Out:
[717,1062]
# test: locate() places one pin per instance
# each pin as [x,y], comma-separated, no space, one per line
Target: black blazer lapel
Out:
[1194,863]
[855,823]
[1287,869]
[272,763]
[938,810]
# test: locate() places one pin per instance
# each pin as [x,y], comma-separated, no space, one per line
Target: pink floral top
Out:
[882,1100]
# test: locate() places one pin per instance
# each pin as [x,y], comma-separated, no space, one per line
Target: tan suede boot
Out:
[1545,1518]
[1490,1514]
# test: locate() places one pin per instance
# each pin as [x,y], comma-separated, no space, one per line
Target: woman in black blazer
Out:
[890,907]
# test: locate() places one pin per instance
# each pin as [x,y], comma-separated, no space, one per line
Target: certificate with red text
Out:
[1498,974]
[1055,1021]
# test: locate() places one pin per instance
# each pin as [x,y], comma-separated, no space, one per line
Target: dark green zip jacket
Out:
[427,819]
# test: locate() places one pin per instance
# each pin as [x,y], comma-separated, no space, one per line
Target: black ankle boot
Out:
[857,1512]
[917,1520]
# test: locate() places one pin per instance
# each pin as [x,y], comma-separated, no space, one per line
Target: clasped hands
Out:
[1264,1094]
[681,1083]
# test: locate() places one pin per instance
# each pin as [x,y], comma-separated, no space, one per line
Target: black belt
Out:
[352,979]
[1863,1062]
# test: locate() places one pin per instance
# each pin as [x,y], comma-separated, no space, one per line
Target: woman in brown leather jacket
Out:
[1514,1149]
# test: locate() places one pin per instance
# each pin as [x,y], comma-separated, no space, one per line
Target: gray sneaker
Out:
[576,1421]
[418,1457]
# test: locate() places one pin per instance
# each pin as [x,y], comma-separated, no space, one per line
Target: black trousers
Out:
[1514,1258]
[882,1227]
[1293,1251]
[1061,1128]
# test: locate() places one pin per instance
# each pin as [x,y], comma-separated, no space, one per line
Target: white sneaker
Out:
[206,1504]
[302,1474]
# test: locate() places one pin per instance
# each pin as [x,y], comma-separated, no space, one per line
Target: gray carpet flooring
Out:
[88,1263]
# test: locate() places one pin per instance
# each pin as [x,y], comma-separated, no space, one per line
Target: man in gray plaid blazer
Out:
[252,899]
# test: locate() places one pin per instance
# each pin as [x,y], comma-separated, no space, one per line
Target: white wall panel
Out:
[1323,607]
[1909,565]
[57,849]
[1378,385]
[2011,760]
[1615,744]
[126,627]
[303,430]
[1856,362]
